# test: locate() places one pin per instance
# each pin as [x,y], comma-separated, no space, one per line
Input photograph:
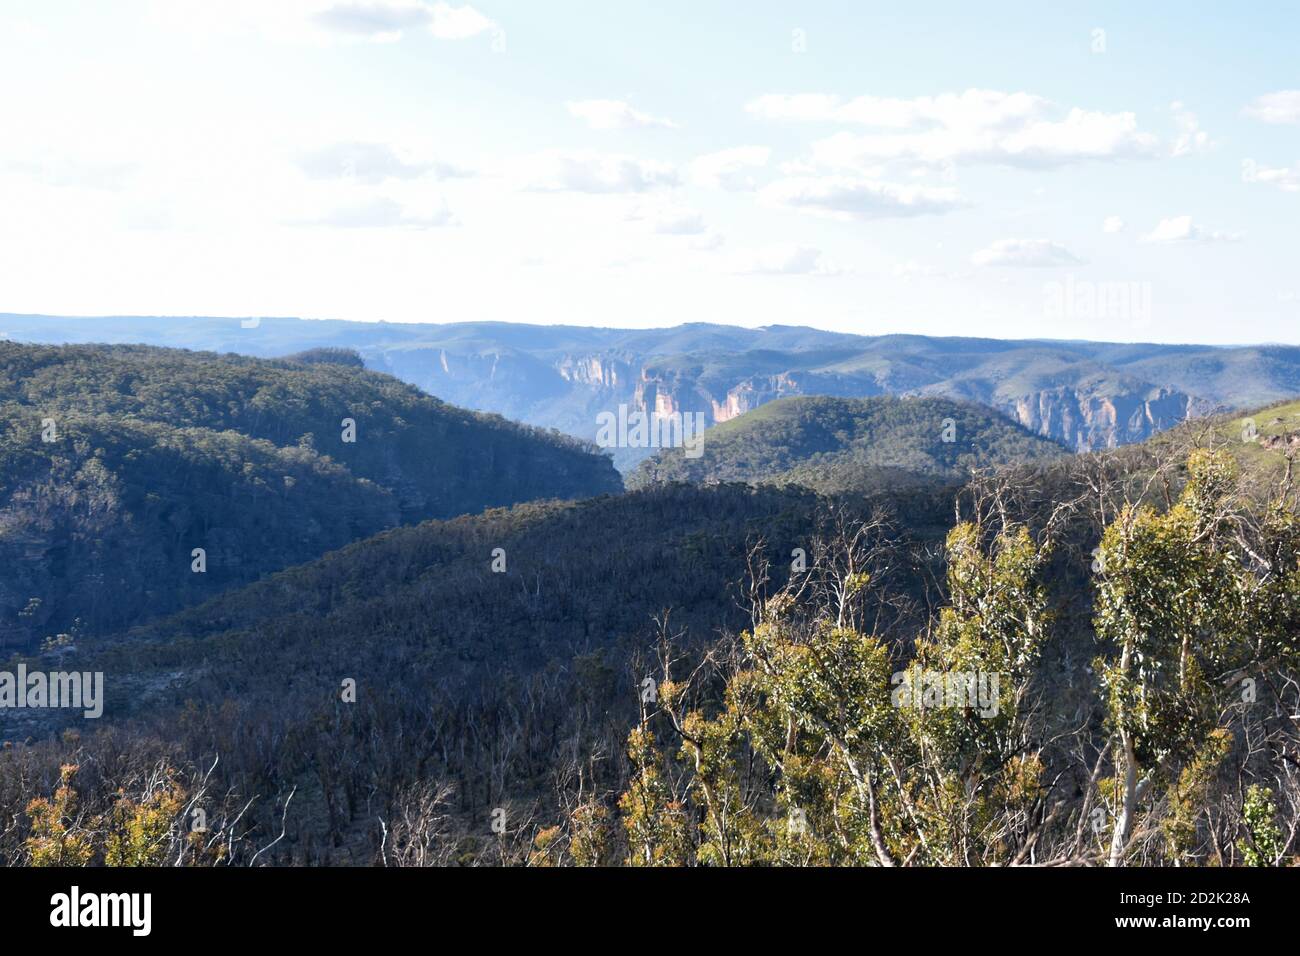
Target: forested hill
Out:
[838,444]
[118,462]
[487,652]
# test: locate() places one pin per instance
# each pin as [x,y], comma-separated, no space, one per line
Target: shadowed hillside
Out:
[117,463]
[476,677]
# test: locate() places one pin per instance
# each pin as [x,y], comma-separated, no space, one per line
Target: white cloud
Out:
[65,171]
[1284,178]
[851,198]
[1113,224]
[915,269]
[729,168]
[708,241]
[382,213]
[1081,135]
[379,22]
[387,20]
[785,259]
[670,220]
[1191,138]
[1280,107]
[1025,253]
[1078,137]
[977,126]
[319,22]
[369,163]
[983,109]
[1182,229]
[686,222]
[588,172]
[458,23]
[615,114]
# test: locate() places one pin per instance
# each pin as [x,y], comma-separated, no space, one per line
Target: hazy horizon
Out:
[663,328]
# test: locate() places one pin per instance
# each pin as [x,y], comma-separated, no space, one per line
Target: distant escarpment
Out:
[1105,420]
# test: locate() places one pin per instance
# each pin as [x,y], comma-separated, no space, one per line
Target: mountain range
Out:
[1083,395]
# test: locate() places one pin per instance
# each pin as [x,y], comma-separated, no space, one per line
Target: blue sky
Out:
[1114,171]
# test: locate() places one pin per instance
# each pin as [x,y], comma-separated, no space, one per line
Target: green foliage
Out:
[56,837]
[589,840]
[328,356]
[1175,605]
[1188,797]
[658,831]
[132,832]
[813,759]
[1203,589]
[139,831]
[1264,842]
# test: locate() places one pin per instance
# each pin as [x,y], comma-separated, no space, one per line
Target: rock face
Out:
[594,371]
[571,390]
[754,391]
[656,392]
[1100,420]
[760,389]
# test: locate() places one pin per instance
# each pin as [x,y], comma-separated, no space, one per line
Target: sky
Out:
[1125,172]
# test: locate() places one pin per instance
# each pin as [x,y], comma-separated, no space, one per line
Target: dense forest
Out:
[1084,659]
[845,444]
[134,480]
